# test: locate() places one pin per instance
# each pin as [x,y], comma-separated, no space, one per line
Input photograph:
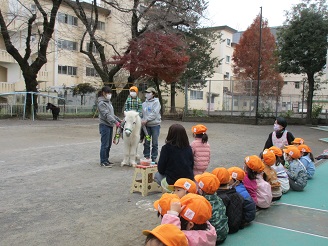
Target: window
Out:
[228,41]
[90,71]
[68,19]
[67,45]
[33,8]
[67,70]
[227,75]
[297,85]
[196,95]
[94,49]
[227,59]
[100,24]
[245,104]
[235,103]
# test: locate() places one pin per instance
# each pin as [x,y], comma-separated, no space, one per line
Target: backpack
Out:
[263,192]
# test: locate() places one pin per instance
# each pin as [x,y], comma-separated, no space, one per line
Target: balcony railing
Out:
[6,57]
[5,87]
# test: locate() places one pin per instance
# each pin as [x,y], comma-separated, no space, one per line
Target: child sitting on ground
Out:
[296,170]
[163,204]
[298,141]
[259,189]
[232,200]
[270,175]
[183,186]
[208,184]
[280,170]
[200,149]
[191,215]
[307,160]
[249,207]
[166,234]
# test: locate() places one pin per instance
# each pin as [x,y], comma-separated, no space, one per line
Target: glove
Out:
[118,124]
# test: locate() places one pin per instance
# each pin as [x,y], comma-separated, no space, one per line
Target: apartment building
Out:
[66,66]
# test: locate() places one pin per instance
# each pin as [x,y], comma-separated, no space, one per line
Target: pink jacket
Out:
[251,187]
[195,237]
[202,155]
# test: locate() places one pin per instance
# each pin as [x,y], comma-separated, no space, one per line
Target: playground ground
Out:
[53,191]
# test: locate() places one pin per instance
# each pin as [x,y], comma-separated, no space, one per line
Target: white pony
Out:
[131,137]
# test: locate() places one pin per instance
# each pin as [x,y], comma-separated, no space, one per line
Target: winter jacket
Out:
[283,137]
[251,187]
[270,176]
[151,112]
[297,172]
[202,155]
[106,112]
[133,103]
[219,218]
[282,177]
[195,237]
[234,207]
[263,192]
[309,165]
[249,206]
[176,163]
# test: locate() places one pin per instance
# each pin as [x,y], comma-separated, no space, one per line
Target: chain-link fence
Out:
[239,98]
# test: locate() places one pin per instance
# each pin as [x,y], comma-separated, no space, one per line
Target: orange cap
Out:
[184,183]
[304,148]
[269,157]
[277,151]
[254,163]
[197,209]
[163,204]
[134,88]
[292,151]
[222,174]
[199,129]
[208,182]
[236,173]
[168,234]
[298,141]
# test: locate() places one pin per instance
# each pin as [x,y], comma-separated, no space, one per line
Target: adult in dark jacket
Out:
[280,137]
[176,159]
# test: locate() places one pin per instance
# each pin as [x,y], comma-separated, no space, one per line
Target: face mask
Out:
[133,94]
[108,96]
[149,95]
[276,127]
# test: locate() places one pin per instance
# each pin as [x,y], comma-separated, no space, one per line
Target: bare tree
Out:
[30,67]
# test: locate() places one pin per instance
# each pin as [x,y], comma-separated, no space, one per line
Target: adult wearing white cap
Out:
[152,120]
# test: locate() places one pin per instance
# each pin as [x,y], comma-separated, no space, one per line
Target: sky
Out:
[239,14]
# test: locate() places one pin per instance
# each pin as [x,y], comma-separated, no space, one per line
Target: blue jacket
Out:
[249,206]
[309,165]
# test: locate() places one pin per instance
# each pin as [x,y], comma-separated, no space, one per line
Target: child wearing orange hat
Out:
[231,199]
[307,160]
[200,149]
[270,175]
[133,102]
[296,170]
[249,207]
[163,204]
[191,215]
[166,234]
[208,184]
[280,170]
[258,188]
[183,186]
[298,141]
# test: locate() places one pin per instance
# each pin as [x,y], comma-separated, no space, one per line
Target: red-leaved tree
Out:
[246,60]
[156,55]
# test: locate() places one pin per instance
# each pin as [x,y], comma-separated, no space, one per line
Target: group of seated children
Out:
[204,211]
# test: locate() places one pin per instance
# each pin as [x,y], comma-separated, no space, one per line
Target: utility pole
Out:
[258,73]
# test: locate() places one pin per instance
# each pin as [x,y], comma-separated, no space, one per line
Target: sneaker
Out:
[106,165]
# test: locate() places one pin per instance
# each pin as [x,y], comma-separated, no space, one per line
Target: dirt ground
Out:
[53,191]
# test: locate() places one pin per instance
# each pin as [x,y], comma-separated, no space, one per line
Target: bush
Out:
[316,111]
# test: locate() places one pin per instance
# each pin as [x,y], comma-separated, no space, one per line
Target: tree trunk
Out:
[309,98]
[159,95]
[173,110]
[81,99]
[31,86]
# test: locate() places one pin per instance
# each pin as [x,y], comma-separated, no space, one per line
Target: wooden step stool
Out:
[146,183]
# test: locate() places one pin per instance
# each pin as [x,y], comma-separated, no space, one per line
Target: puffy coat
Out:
[249,206]
[202,155]
[309,165]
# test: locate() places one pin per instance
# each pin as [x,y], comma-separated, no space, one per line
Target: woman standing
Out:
[107,120]
[152,120]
